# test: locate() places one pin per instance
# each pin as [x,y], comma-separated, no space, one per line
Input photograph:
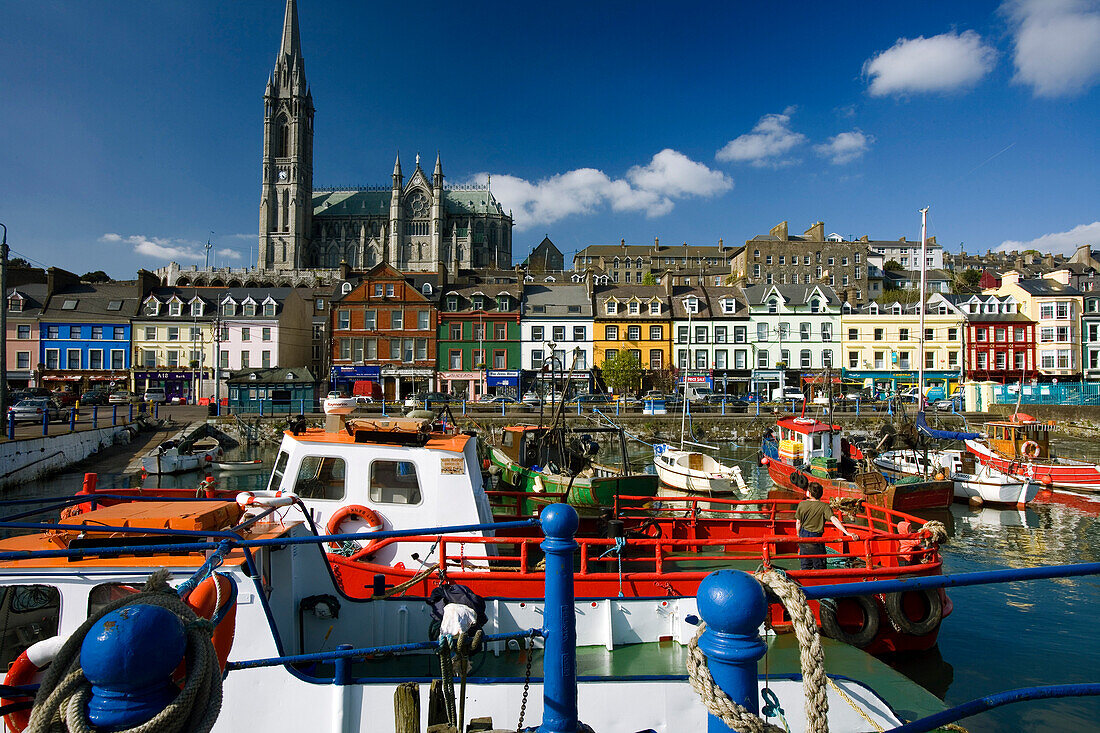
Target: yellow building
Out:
[1056,307]
[173,342]
[636,319]
[882,343]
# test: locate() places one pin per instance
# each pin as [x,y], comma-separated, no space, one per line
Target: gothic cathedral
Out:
[414,225]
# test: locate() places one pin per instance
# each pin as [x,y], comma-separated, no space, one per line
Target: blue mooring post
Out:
[156,410]
[114,414]
[72,419]
[130,414]
[261,408]
[95,416]
[732,604]
[129,656]
[46,421]
[559,688]
[11,426]
[342,672]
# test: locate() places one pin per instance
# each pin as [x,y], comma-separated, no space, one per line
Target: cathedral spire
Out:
[397,168]
[437,174]
[291,45]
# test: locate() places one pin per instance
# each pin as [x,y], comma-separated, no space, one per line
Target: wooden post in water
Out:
[406,707]
[437,708]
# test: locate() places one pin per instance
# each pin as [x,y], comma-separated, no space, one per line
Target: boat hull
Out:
[583,492]
[899,497]
[1077,475]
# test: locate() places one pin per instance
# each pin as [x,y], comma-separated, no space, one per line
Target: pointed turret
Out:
[291,45]
[397,177]
[437,174]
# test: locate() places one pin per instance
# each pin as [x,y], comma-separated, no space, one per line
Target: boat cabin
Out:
[801,439]
[408,472]
[1021,437]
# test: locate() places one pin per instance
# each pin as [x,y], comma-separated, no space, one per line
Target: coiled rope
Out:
[936,529]
[62,698]
[811,657]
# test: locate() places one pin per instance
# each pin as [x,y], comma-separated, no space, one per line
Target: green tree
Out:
[19,262]
[622,372]
[970,278]
[892,265]
[666,379]
[649,279]
[904,296]
[98,276]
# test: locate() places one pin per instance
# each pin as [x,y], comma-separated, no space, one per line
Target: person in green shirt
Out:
[809,519]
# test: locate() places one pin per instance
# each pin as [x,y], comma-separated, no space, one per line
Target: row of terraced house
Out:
[393,334]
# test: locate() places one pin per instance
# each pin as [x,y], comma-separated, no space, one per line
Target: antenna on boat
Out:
[921,305]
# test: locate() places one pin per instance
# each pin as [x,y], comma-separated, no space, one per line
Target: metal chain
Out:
[526,684]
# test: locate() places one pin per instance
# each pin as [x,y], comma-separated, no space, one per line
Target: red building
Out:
[1000,341]
[388,321]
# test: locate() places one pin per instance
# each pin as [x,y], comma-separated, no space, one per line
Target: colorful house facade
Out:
[480,341]
[794,329]
[636,319]
[557,332]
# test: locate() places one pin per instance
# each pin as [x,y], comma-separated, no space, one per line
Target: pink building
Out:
[24,306]
[263,328]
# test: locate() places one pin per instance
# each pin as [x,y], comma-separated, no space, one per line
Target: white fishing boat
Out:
[179,457]
[972,479]
[234,466]
[694,473]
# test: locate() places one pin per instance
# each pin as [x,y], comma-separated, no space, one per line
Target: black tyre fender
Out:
[798,480]
[919,627]
[832,628]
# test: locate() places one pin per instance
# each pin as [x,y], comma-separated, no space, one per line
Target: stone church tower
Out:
[286,200]
[414,224]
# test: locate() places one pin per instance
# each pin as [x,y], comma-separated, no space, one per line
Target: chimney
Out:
[932,239]
[656,243]
[56,279]
[816,233]
[721,246]
[622,243]
[345,270]
[779,230]
[146,281]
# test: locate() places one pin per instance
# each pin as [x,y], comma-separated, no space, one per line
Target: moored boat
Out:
[693,473]
[1020,447]
[804,450]
[253,465]
[972,479]
[175,457]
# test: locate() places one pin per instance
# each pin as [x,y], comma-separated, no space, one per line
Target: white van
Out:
[155,394]
[696,392]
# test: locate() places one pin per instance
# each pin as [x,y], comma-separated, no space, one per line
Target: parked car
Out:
[591,398]
[626,401]
[121,397]
[94,397]
[497,400]
[755,397]
[63,399]
[531,398]
[155,394]
[954,403]
[784,394]
[429,400]
[31,410]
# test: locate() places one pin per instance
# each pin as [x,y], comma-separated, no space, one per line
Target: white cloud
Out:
[1058,242]
[163,248]
[771,139]
[845,147]
[941,63]
[652,188]
[1057,44]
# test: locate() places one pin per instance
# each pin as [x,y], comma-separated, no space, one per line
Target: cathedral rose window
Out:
[417,205]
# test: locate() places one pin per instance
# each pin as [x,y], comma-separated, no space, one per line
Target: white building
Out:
[557,331]
[794,330]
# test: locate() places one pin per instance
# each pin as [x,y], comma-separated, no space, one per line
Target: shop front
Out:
[400,382]
[463,385]
[503,382]
[766,381]
[179,385]
[895,381]
[733,382]
[357,380]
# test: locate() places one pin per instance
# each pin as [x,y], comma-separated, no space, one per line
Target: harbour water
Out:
[998,637]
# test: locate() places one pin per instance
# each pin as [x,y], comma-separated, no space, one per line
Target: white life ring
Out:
[1030,449]
[265,499]
[26,670]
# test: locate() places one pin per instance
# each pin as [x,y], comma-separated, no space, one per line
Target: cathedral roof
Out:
[376,202]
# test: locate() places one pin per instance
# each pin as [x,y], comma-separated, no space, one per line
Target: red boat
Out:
[804,450]
[1020,446]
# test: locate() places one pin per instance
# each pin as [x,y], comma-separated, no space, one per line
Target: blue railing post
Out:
[95,416]
[723,405]
[114,414]
[156,410]
[261,408]
[130,414]
[11,426]
[463,407]
[857,407]
[732,604]
[502,403]
[72,419]
[46,421]
[559,690]
[383,407]
[342,673]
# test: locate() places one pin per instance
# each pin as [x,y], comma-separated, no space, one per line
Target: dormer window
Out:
[873,309]
[426,289]
[452,303]
[634,307]
[773,305]
[479,303]
[846,308]
[345,288]
[654,308]
[815,306]
[502,302]
[728,306]
[229,308]
[249,308]
[196,308]
[612,307]
[175,308]
[152,307]
[15,304]
[269,309]
[896,309]
[691,305]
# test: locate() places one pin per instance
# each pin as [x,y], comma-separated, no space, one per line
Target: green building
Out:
[479,340]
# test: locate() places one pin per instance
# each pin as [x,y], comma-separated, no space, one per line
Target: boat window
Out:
[320,477]
[31,613]
[394,482]
[506,439]
[277,472]
[106,593]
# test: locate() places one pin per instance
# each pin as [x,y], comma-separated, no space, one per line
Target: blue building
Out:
[84,333]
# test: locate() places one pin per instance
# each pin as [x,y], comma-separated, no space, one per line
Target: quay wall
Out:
[32,458]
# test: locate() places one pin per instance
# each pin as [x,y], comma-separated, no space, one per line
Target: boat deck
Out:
[662,660]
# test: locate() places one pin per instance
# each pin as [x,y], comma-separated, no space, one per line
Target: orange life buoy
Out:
[217,594]
[1030,449]
[369,521]
[26,670]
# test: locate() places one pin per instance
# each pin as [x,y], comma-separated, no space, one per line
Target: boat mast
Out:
[684,404]
[921,305]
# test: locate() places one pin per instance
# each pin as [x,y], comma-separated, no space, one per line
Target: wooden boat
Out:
[542,465]
[174,457]
[1020,447]
[798,443]
[289,626]
[692,473]
[972,479]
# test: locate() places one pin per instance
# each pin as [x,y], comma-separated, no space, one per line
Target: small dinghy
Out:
[255,465]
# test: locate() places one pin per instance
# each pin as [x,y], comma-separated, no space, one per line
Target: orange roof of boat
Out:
[151,516]
[454,442]
[807,425]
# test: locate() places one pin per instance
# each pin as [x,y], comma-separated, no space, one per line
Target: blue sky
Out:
[133,129]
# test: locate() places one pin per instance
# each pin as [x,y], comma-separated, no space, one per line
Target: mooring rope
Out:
[811,657]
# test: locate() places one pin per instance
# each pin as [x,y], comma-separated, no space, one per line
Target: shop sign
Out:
[457,376]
